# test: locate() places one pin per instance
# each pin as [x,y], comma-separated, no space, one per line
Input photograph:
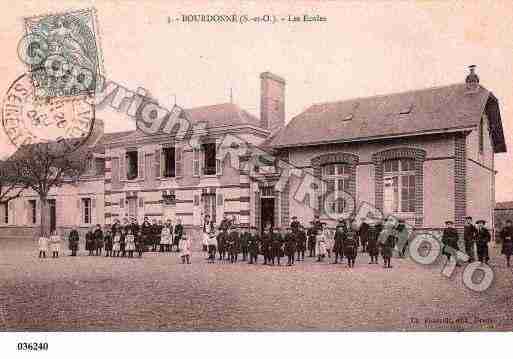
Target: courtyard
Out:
[158,293]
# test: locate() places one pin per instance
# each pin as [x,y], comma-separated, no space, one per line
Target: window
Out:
[100,166]
[32,211]
[168,155]
[210,163]
[195,161]
[336,177]
[132,165]
[86,210]
[4,213]
[399,186]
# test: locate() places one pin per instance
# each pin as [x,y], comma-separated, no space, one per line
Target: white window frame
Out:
[393,184]
[340,177]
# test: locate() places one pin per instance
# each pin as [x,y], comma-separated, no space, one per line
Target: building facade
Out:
[425,156]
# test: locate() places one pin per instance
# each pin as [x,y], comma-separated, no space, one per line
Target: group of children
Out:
[52,244]
[275,243]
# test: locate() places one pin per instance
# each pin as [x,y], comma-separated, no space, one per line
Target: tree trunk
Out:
[45,217]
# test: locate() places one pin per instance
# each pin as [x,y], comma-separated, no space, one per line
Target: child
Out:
[212,245]
[351,247]
[372,243]
[73,241]
[506,235]
[185,249]
[165,238]
[254,241]
[290,246]
[130,244]
[108,242]
[140,241]
[55,244]
[122,242]
[387,250]
[43,245]
[90,241]
[320,244]
[116,244]
[98,240]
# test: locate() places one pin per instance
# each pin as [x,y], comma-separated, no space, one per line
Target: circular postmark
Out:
[27,119]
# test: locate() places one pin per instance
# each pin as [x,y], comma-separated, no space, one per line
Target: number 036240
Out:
[32,346]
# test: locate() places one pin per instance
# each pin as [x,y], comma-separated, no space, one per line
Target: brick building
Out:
[425,156]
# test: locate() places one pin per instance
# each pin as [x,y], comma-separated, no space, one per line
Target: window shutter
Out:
[219,167]
[140,164]
[122,166]
[196,162]
[158,170]
[178,162]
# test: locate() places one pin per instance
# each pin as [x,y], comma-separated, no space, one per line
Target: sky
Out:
[363,49]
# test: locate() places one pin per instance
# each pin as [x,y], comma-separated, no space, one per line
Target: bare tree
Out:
[44,166]
[11,186]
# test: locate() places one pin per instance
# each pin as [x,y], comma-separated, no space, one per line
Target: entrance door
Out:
[267,212]
[53,215]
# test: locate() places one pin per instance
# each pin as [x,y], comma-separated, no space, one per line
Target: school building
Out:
[425,156]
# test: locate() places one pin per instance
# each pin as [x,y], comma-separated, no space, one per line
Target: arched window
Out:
[399,186]
[336,178]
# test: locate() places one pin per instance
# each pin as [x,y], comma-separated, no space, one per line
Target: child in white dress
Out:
[185,249]
[43,245]
[55,244]
[115,246]
[130,244]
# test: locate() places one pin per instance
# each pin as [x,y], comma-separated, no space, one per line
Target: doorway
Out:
[53,215]
[266,212]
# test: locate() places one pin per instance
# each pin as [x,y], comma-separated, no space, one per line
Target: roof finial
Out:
[472,79]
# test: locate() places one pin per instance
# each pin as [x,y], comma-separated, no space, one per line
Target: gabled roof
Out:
[429,110]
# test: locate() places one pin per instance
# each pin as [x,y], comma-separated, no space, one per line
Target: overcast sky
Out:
[364,49]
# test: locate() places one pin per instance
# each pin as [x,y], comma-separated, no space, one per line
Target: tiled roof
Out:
[504,205]
[225,114]
[414,112]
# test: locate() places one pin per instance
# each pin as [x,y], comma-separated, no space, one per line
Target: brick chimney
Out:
[272,101]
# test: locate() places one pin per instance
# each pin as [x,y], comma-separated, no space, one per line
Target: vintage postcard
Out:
[306,166]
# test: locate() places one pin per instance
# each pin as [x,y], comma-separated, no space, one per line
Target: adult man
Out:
[73,241]
[178,234]
[300,237]
[276,245]
[340,237]
[225,223]
[372,244]
[482,239]
[290,246]
[222,240]
[134,226]
[363,232]
[506,235]
[449,239]
[311,233]
[469,237]
[233,243]
[156,230]
[146,233]
[266,245]
[244,242]
[295,224]
[253,244]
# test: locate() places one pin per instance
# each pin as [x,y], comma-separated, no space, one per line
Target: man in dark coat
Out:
[244,243]
[506,235]
[276,245]
[178,234]
[98,240]
[482,239]
[469,237]
[449,239]
[134,226]
[295,224]
[300,237]
[290,246]
[339,239]
[363,232]
[146,232]
[156,230]
[372,244]
[225,223]
[221,244]
[311,233]
[253,244]
[266,245]
[351,247]
[233,243]
[73,241]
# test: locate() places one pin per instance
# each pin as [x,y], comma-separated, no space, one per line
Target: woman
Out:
[98,240]
[90,241]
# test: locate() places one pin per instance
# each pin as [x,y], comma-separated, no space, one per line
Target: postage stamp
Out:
[27,119]
[69,61]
